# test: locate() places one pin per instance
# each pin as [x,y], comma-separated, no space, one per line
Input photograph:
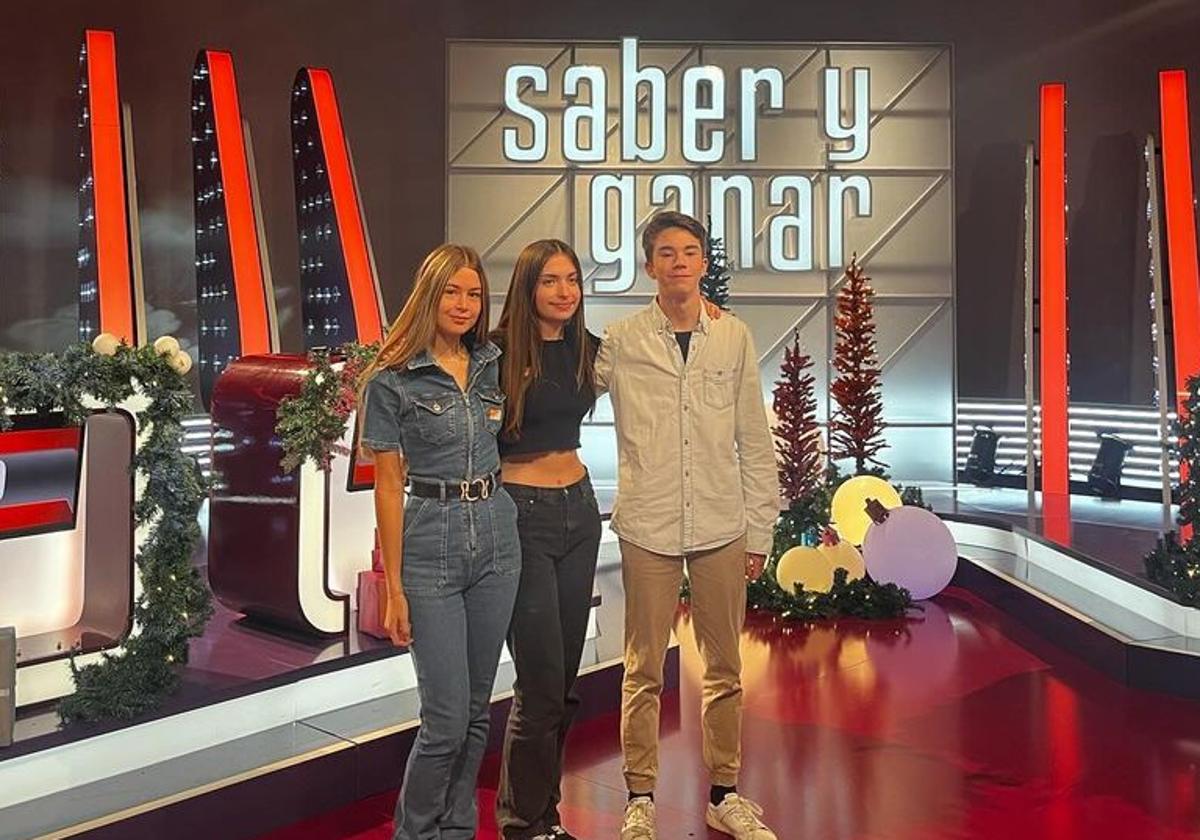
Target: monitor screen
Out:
[39,479]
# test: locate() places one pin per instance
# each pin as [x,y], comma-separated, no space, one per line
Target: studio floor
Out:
[957,723]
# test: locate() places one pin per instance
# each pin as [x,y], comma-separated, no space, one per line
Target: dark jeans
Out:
[560,536]
[460,573]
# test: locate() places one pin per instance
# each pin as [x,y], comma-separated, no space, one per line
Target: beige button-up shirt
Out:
[696,461]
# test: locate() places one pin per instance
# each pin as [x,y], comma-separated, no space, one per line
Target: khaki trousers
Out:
[718,609]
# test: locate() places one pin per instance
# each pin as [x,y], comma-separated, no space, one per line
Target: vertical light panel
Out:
[316,101]
[339,291]
[1030,278]
[1181,229]
[253,328]
[106,279]
[1053,289]
[232,286]
[1181,236]
[1162,384]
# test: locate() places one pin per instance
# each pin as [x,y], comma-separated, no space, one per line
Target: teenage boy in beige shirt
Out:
[697,486]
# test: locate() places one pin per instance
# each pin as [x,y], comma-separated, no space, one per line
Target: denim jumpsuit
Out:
[460,571]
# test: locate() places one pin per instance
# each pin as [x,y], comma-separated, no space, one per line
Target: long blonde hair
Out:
[415,326]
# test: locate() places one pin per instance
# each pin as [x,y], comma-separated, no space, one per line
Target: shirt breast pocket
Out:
[718,388]
[436,418]
[493,409]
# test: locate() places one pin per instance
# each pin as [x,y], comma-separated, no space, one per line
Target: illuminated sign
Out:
[701,115]
[802,154]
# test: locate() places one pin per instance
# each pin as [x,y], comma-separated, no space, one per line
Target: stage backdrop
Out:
[803,155]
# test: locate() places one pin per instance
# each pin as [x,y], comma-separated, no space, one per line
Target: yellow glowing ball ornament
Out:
[181,361]
[842,555]
[166,345]
[106,344]
[804,565]
[849,508]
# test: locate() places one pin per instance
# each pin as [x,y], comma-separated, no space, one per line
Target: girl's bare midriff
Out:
[543,469]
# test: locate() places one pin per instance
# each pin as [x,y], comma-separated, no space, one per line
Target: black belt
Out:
[466,491]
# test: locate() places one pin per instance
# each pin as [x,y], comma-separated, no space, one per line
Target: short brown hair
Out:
[666,219]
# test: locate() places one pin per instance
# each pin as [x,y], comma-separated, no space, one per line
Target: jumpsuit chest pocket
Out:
[437,417]
[492,402]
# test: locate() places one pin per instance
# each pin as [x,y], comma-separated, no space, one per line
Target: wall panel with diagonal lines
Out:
[906,240]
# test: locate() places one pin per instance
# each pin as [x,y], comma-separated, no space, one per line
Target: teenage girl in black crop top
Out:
[546,373]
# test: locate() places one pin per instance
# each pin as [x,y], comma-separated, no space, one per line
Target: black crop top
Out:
[555,405]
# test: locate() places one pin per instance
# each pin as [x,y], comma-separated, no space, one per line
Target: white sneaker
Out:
[738,817]
[639,819]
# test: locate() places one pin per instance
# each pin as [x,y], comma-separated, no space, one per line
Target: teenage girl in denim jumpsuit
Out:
[433,408]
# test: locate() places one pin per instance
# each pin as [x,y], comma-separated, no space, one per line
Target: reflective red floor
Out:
[955,724]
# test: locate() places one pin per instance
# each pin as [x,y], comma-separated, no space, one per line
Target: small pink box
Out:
[377,555]
[372,603]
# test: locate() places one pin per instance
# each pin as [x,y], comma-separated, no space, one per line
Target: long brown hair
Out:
[521,335]
[415,326]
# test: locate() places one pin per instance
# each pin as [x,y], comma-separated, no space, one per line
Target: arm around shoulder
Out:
[606,359]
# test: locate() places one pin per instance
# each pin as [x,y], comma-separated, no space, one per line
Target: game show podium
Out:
[284,548]
[66,545]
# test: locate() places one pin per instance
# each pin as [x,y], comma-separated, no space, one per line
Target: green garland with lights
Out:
[174,604]
[800,524]
[1176,566]
[311,424]
[1174,563]
[862,598]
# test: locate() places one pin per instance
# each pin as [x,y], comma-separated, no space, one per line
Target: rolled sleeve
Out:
[383,404]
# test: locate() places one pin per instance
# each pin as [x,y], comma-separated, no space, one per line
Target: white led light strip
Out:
[1138,426]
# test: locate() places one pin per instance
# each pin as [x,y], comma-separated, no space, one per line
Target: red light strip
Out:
[35,515]
[39,440]
[1181,230]
[1181,237]
[114,277]
[1053,293]
[364,473]
[363,293]
[255,336]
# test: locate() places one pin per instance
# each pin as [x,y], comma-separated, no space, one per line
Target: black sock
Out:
[718,793]
[633,796]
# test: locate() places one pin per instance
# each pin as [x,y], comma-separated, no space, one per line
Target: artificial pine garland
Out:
[1177,567]
[174,604]
[1175,560]
[862,598]
[311,424]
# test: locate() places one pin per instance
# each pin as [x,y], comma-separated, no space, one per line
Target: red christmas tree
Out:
[856,428]
[797,434]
